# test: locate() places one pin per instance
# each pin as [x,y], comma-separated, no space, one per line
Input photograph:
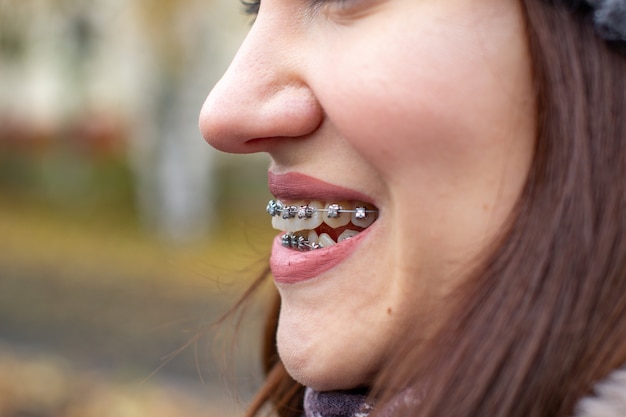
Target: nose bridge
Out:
[263,94]
[257,60]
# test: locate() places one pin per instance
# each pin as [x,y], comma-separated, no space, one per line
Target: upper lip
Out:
[298,186]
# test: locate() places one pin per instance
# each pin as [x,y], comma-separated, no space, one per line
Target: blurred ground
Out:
[94,311]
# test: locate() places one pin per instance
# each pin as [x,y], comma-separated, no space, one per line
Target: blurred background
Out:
[123,236]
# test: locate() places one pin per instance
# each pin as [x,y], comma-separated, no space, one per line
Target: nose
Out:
[263,94]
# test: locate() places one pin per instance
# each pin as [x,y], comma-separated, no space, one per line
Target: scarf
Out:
[336,404]
[351,403]
[607,400]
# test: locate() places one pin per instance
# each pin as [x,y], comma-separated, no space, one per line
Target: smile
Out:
[311,225]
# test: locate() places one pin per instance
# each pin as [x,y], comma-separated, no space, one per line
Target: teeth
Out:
[279,223]
[334,218]
[363,222]
[302,210]
[297,241]
[347,234]
[302,218]
[325,240]
[312,241]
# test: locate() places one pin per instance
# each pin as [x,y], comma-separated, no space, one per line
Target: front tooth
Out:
[325,240]
[290,224]
[347,234]
[298,223]
[334,222]
[295,224]
[279,223]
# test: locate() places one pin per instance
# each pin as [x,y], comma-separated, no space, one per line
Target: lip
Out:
[290,266]
[298,186]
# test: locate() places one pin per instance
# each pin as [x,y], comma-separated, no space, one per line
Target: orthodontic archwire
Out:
[297,241]
[277,208]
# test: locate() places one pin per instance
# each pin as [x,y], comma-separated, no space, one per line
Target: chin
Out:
[323,368]
[324,378]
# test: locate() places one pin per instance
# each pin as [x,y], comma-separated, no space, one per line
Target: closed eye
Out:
[251,7]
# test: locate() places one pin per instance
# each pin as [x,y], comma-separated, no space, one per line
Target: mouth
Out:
[322,225]
[316,224]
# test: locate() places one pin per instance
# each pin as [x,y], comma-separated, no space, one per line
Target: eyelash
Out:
[251,8]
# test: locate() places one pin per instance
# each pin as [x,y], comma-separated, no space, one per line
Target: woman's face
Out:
[420,109]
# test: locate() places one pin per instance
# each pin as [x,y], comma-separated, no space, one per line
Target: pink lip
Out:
[290,266]
[297,186]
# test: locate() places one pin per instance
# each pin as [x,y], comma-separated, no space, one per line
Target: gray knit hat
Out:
[609,17]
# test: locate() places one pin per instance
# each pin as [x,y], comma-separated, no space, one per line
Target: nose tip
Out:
[263,94]
[267,94]
[237,115]
[217,122]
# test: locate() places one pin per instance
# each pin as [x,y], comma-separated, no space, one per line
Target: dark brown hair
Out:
[545,314]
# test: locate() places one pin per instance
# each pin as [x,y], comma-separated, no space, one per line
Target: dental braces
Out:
[299,242]
[334,211]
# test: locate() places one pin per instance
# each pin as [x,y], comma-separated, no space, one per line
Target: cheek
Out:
[443,132]
[426,112]
[400,100]
[395,128]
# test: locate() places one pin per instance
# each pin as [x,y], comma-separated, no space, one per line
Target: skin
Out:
[424,105]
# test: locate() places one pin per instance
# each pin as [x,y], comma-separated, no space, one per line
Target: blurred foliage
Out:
[68,182]
[91,300]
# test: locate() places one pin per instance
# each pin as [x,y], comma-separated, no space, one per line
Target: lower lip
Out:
[290,266]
